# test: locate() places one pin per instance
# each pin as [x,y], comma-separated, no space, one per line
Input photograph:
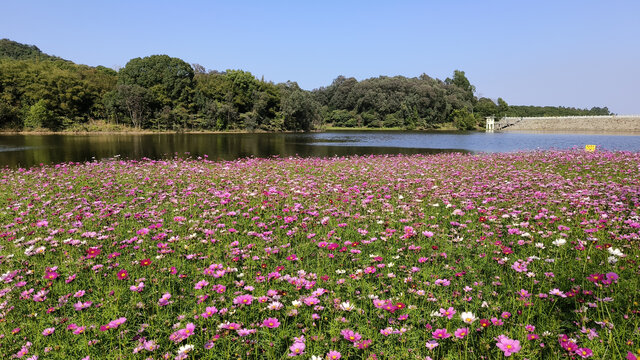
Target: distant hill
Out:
[17,51]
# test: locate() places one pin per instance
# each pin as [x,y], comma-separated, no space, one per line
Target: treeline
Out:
[165,93]
[524,111]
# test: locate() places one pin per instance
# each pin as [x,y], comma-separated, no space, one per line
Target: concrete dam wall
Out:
[608,123]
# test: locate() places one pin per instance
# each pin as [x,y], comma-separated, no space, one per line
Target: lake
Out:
[30,150]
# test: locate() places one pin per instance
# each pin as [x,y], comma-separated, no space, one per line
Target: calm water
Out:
[30,150]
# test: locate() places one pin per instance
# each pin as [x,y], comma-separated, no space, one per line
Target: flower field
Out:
[524,255]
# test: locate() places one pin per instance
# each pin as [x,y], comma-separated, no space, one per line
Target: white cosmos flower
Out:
[615,252]
[347,306]
[185,348]
[559,242]
[468,317]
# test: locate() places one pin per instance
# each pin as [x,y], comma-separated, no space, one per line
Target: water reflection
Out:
[29,150]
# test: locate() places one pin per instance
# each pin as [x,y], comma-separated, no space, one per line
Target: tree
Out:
[134,101]
[460,80]
[39,116]
[485,107]
[169,79]
[463,120]
[503,108]
[299,110]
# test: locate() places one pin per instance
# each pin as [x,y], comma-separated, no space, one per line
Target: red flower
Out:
[93,252]
[145,262]
[122,274]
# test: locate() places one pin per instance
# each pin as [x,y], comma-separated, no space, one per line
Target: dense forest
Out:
[40,91]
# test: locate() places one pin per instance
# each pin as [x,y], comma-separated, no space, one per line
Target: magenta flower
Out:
[271,323]
[243,300]
[333,355]
[230,326]
[50,275]
[209,311]
[440,334]
[183,334]
[584,352]
[448,313]
[122,274]
[508,346]
[48,331]
[350,335]
[461,333]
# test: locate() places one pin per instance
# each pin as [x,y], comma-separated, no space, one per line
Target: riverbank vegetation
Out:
[373,257]
[40,92]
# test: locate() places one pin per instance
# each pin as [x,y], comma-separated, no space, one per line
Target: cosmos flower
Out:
[271,323]
[508,346]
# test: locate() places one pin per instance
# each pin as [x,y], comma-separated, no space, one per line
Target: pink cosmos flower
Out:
[584,352]
[200,284]
[461,333]
[243,300]
[50,275]
[164,300]
[508,346]
[48,331]
[209,311]
[333,355]
[297,348]
[448,313]
[245,332]
[440,334]
[432,344]
[231,326]
[271,323]
[350,335]
[137,288]
[183,334]
[81,305]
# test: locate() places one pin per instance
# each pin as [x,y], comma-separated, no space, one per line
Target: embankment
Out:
[613,123]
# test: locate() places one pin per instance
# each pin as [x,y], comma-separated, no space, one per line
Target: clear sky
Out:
[570,53]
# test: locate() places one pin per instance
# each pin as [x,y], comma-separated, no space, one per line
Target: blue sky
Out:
[570,53]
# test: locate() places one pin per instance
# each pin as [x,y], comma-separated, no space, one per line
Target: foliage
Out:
[412,103]
[39,116]
[169,79]
[169,94]
[525,111]
[463,120]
